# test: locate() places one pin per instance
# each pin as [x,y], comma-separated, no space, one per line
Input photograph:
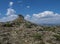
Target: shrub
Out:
[57,37]
[49,41]
[49,29]
[28,25]
[7,25]
[37,36]
[42,42]
[17,23]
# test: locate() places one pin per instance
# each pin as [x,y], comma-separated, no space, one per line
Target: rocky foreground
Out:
[21,31]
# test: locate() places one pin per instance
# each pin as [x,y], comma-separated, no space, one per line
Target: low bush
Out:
[7,25]
[57,37]
[28,25]
[37,36]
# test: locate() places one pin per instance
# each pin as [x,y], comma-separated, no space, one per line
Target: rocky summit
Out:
[21,31]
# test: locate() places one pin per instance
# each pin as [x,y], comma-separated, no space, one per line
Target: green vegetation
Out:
[49,29]
[57,37]
[28,25]
[8,25]
[49,41]
[41,42]
[41,29]
[37,36]
[17,23]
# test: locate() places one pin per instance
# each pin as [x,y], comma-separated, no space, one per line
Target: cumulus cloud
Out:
[11,3]
[10,15]
[10,11]
[27,17]
[46,17]
[45,14]
[8,18]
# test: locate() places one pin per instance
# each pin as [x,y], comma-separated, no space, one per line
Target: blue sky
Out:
[36,6]
[31,9]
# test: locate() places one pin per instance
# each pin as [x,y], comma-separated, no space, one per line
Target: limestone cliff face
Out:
[20,31]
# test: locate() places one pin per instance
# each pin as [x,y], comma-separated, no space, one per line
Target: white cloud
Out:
[11,3]
[10,15]
[45,14]
[27,17]
[46,17]
[28,6]
[10,11]
[8,18]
